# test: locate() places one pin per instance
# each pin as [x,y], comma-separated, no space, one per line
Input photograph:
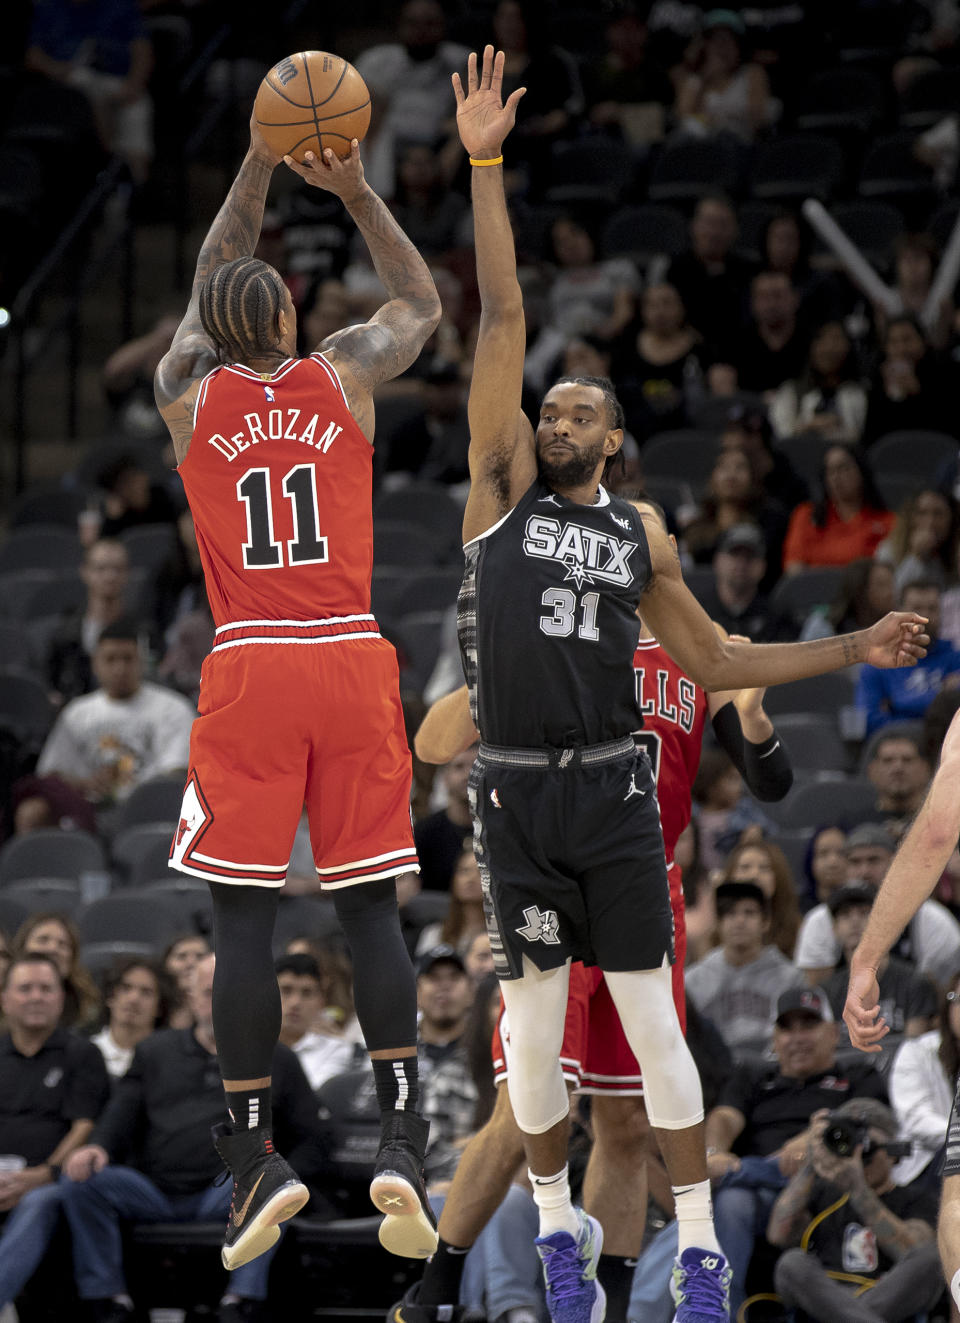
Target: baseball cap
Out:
[438,955]
[811,1000]
[724,18]
[851,893]
[746,536]
[869,833]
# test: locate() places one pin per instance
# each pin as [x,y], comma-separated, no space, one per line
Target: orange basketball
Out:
[310,101]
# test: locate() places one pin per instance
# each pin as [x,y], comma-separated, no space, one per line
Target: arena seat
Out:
[592,169]
[403,543]
[812,741]
[846,802]
[891,171]
[141,851]
[189,897]
[16,647]
[54,596]
[18,587]
[100,957]
[428,590]
[39,547]
[644,232]
[149,545]
[845,101]
[753,219]
[690,451]
[825,694]
[38,894]
[13,912]
[419,632]
[51,853]
[427,504]
[796,595]
[790,169]
[928,98]
[895,488]
[918,452]
[873,226]
[805,454]
[157,800]
[129,918]
[46,504]
[689,167]
[304,916]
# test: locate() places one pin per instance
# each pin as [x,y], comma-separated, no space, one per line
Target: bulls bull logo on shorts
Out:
[541,926]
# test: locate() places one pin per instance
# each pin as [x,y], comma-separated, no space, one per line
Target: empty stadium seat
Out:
[125,918]
[895,488]
[872,226]
[149,545]
[187,897]
[43,504]
[796,595]
[644,232]
[793,168]
[891,171]
[805,454]
[37,894]
[428,590]
[12,914]
[688,451]
[405,544]
[51,853]
[845,803]
[141,852]
[594,169]
[16,647]
[18,587]
[812,741]
[753,219]
[54,596]
[921,453]
[820,693]
[841,101]
[304,916]
[39,547]
[158,800]
[689,167]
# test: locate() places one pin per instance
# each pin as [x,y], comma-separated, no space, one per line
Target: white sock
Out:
[551,1194]
[695,1217]
[955,1287]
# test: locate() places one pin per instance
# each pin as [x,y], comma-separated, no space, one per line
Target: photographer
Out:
[866,1248]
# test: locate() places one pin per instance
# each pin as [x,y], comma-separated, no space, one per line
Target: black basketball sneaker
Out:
[409,1227]
[409,1310]
[266,1192]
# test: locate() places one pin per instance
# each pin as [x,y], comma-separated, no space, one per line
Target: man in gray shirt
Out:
[738,984]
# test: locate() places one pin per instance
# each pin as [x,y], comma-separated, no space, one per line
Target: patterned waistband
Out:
[587,755]
[334,629]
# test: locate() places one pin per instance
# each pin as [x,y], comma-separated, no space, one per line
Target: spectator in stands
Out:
[478,958]
[427,210]
[624,88]
[103,51]
[725,93]
[659,363]
[922,1080]
[336,981]
[910,389]
[320,1051]
[748,428]
[159,1118]
[899,771]
[773,347]
[440,837]
[179,589]
[464,918]
[138,997]
[710,278]
[131,498]
[125,732]
[915,267]
[865,594]
[858,1229]
[409,82]
[723,809]
[908,999]
[764,863]
[931,942]
[432,445]
[846,521]
[950,603]
[735,600]
[445,995]
[923,543]
[739,982]
[734,497]
[325,308]
[128,378]
[180,961]
[785,246]
[553,102]
[48,932]
[105,572]
[53,1086]
[759,1130]
[827,399]
[826,862]
[883,700]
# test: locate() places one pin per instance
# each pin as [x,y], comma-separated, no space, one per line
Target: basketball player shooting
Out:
[299,699]
[566,822]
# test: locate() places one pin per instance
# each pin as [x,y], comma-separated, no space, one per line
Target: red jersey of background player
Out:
[279,479]
[674,711]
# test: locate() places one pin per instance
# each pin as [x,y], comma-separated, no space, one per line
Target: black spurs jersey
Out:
[547,621]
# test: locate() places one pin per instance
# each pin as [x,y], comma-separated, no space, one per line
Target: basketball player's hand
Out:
[342,177]
[861,1012]
[258,143]
[86,1162]
[897,640]
[483,121]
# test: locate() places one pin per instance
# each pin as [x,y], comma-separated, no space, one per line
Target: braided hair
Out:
[240,303]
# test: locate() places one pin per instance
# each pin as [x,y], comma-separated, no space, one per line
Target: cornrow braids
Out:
[608,391]
[239,304]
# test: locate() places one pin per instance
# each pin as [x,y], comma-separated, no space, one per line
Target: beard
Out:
[573,469]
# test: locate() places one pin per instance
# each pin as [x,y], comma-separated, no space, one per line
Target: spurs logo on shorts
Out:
[541,926]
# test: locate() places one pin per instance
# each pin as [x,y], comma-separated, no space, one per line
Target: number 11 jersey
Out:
[279,479]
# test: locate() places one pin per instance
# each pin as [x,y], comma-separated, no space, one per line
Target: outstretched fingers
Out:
[457,88]
[486,76]
[473,82]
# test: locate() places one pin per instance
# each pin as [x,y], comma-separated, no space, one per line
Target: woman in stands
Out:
[922,1080]
[725,93]
[735,495]
[911,388]
[825,866]
[464,918]
[180,960]
[765,864]
[866,593]
[923,544]
[828,401]
[849,519]
[57,936]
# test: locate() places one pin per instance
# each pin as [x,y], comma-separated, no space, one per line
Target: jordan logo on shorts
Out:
[541,926]
[634,788]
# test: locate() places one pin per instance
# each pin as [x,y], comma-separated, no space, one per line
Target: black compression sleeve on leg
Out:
[246,999]
[384,984]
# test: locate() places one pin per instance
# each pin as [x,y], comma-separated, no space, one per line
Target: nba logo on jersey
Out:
[267,390]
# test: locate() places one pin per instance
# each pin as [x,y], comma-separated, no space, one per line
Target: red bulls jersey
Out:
[279,480]
[674,710]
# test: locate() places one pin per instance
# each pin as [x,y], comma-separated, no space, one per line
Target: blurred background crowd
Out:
[789,400]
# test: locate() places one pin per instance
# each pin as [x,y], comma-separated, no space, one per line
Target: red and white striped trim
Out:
[335,629]
[569,1066]
[332,372]
[202,393]
[293,624]
[262,378]
[389,864]
[222,870]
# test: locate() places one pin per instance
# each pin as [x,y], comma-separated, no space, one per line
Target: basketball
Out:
[310,101]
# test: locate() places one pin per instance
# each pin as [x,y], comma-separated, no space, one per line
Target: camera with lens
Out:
[844,1133]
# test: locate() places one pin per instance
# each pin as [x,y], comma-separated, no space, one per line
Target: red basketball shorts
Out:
[595,1056]
[284,726]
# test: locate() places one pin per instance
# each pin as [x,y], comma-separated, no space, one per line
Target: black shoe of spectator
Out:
[110,1311]
[408,1310]
[266,1191]
[398,1190]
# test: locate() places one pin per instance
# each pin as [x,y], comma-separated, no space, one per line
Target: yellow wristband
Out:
[496,160]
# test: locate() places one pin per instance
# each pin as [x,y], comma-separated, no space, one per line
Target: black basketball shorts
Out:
[571,858]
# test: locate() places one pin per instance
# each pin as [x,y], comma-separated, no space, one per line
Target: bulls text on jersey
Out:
[653,696]
[276,425]
[587,554]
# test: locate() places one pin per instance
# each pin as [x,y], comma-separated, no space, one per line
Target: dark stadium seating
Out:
[51,853]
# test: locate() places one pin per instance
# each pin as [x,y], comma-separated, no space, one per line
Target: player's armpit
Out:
[189,359]
[500,472]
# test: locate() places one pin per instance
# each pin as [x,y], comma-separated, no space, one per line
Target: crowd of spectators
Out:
[796,424]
